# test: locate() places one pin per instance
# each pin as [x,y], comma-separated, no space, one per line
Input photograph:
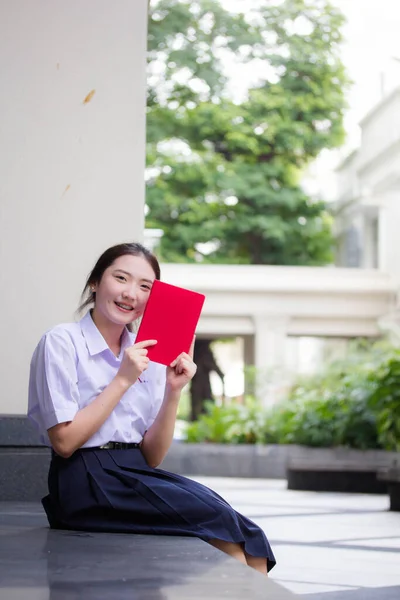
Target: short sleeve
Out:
[158,381]
[53,389]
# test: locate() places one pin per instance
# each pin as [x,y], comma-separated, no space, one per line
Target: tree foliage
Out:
[225,159]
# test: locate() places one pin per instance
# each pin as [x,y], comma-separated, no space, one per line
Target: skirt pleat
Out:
[116,491]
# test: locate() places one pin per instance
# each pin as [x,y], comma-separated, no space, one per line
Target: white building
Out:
[368,203]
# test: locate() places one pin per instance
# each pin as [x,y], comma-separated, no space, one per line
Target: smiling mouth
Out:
[124,307]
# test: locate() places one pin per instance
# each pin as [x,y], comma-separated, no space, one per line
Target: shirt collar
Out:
[95,341]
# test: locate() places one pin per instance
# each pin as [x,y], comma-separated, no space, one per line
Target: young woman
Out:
[109,414]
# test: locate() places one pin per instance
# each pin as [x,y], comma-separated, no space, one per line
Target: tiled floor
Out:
[327,545]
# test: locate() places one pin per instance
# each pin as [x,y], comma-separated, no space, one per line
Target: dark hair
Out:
[107,259]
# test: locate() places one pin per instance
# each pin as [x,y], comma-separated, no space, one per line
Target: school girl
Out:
[108,414]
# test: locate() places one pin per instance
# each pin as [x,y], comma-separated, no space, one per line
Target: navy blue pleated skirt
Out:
[116,491]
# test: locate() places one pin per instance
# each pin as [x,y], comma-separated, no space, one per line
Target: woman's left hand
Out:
[181,370]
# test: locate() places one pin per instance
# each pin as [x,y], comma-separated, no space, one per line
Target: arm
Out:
[158,437]
[67,437]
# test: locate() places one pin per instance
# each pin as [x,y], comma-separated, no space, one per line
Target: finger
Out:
[187,356]
[133,352]
[191,349]
[175,362]
[145,344]
[184,366]
[180,357]
[143,365]
[179,369]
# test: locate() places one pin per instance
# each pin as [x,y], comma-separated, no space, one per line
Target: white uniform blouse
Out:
[71,366]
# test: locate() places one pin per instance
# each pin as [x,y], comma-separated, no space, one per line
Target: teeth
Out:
[125,306]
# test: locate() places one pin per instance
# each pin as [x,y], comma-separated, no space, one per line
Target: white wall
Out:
[71,174]
[390,243]
[380,128]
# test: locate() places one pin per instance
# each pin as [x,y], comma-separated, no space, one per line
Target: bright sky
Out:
[370,50]
[372,44]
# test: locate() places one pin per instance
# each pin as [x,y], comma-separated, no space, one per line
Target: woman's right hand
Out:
[134,362]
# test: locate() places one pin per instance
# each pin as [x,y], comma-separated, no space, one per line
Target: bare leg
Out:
[258,563]
[230,548]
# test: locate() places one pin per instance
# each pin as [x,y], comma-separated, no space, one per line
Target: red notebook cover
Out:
[170,317]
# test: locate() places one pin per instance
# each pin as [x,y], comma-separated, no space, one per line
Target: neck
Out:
[111,332]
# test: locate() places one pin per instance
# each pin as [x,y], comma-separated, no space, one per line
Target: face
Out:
[123,291]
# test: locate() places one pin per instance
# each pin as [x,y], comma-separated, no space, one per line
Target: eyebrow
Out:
[130,275]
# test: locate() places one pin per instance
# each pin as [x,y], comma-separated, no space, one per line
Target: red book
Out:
[170,317]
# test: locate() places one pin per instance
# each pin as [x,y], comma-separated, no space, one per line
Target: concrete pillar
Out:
[389,248]
[72,155]
[249,362]
[371,240]
[270,354]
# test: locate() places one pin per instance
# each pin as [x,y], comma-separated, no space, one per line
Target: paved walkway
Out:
[329,546]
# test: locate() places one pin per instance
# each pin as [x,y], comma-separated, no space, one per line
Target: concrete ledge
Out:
[23,470]
[39,563]
[24,460]
[18,430]
[23,473]
[24,463]
[228,460]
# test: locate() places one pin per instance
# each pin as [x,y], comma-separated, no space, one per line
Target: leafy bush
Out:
[229,424]
[385,400]
[335,408]
[354,403]
[213,426]
[335,419]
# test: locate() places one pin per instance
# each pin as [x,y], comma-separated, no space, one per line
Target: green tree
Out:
[224,174]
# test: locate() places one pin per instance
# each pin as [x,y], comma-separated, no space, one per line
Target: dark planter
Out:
[392,478]
[339,470]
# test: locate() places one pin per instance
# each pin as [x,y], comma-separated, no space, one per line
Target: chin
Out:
[121,319]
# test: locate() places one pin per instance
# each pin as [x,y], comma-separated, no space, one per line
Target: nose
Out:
[130,292]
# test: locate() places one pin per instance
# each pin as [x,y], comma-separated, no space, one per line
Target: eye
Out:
[120,277]
[145,287]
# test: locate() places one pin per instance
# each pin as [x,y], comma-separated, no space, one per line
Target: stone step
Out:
[39,563]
